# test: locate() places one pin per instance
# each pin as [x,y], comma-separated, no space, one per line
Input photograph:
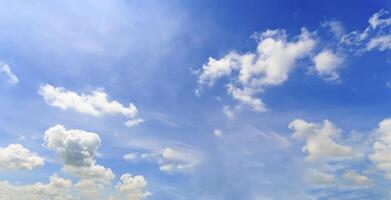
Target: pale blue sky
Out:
[312,60]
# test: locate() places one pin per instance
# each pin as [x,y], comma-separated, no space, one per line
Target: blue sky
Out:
[195,100]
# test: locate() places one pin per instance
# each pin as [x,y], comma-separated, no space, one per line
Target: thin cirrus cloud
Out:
[95,104]
[169,160]
[6,70]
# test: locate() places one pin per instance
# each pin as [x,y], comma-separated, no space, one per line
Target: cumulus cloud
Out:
[96,103]
[357,179]
[131,187]
[250,74]
[320,139]
[269,65]
[78,148]
[95,173]
[327,64]
[6,70]
[15,156]
[169,160]
[381,155]
[57,189]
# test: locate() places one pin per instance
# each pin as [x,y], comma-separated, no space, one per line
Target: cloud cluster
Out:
[96,103]
[78,149]
[128,188]
[325,156]
[169,160]
[15,157]
[6,70]
[251,73]
[57,189]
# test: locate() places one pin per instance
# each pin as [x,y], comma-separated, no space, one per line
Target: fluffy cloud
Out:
[270,65]
[96,103]
[169,160]
[129,188]
[6,70]
[320,139]
[132,187]
[95,173]
[327,63]
[218,133]
[15,157]
[77,148]
[57,189]
[357,179]
[381,155]
[249,74]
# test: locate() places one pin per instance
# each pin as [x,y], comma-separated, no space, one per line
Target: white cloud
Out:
[132,187]
[96,103]
[218,133]
[77,148]
[336,28]
[357,179]
[320,140]
[15,156]
[57,189]
[319,178]
[6,70]
[270,65]
[374,37]
[376,19]
[327,64]
[381,155]
[88,189]
[228,112]
[169,160]
[381,43]
[95,173]
[129,188]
